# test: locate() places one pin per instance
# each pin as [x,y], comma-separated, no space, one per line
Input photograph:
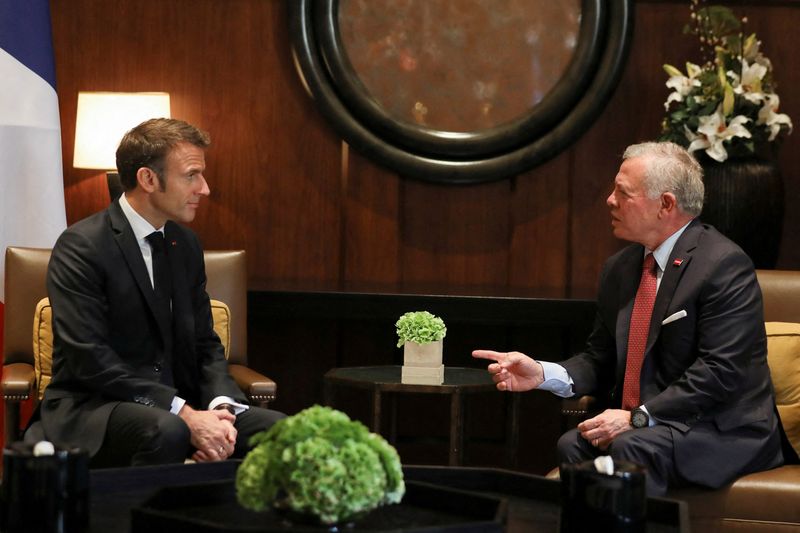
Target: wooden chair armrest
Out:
[579,406]
[18,381]
[260,390]
[577,409]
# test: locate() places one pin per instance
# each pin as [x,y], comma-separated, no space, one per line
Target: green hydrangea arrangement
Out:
[319,462]
[420,327]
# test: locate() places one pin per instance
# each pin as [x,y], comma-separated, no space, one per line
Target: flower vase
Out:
[744,201]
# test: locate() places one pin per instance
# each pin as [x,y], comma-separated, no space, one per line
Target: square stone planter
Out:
[422,363]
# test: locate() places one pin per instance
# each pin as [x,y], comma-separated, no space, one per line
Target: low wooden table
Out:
[458,382]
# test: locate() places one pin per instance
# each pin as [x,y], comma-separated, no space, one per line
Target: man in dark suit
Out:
[678,347]
[139,376]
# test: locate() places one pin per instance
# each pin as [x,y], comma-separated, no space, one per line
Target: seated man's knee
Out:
[250,422]
[171,433]
[569,447]
[627,446]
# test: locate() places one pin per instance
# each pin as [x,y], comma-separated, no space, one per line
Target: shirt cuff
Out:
[237,407]
[177,405]
[556,380]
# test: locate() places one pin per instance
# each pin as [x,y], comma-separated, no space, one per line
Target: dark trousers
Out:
[650,447]
[137,435]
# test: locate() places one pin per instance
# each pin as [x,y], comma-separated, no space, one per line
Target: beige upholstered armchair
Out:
[27,343]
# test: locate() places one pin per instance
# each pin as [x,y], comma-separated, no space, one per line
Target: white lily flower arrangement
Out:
[728,106]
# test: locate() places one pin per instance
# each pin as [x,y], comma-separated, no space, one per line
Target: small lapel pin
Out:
[675,263]
[174,243]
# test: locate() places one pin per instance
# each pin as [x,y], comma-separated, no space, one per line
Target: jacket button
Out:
[157,367]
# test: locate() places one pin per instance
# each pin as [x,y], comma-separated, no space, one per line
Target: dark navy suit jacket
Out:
[704,375]
[111,342]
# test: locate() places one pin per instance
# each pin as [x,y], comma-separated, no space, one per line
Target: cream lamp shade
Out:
[104,117]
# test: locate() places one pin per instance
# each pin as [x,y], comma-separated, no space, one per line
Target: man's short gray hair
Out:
[670,168]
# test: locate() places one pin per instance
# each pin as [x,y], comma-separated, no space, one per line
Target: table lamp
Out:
[103,118]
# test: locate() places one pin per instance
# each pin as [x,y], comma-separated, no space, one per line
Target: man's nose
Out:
[204,189]
[611,200]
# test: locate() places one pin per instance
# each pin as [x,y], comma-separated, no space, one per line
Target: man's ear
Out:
[147,179]
[668,202]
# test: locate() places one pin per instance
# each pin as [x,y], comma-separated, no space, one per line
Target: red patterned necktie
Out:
[637,336]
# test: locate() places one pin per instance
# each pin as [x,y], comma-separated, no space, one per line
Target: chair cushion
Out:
[43,338]
[757,501]
[42,345]
[783,348]
[221,314]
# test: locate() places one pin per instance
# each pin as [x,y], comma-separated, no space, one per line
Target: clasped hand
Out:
[601,430]
[212,433]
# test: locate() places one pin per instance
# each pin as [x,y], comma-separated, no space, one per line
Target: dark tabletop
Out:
[387,378]
[115,491]
[533,501]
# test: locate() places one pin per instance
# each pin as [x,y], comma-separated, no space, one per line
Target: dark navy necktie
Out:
[162,278]
[162,286]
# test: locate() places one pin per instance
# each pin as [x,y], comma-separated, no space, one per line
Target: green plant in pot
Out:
[321,464]
[420,327]
[421,334]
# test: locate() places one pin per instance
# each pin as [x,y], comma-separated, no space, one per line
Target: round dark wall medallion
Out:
[460,91]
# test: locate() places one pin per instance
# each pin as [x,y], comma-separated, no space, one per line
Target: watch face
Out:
[639,419]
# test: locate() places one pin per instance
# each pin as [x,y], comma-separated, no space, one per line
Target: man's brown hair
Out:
[148,144]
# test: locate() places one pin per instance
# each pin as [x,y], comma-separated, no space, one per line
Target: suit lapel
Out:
[126,240]
[677,264]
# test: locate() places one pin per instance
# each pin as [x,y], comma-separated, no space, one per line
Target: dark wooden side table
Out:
[458,382]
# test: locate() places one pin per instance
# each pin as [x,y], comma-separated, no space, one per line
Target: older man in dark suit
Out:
[139,376]
[678,347]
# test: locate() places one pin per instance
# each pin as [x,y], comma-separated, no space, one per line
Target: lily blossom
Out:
[750,84]
[767,116]
[752,52]
[681,85]
[713,132]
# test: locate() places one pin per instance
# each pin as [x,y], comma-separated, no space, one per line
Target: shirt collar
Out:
[141,227]
[664,250]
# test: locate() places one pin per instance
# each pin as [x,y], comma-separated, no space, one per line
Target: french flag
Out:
[31,182]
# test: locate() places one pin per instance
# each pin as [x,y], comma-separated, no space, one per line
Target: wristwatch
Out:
[640,418]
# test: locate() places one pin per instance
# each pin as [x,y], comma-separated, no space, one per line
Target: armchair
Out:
[226,273]
[26,270]
[764,501]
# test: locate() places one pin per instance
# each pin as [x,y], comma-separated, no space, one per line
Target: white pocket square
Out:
[673,317]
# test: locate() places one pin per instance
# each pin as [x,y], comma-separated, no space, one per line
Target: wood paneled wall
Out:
[310,210]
